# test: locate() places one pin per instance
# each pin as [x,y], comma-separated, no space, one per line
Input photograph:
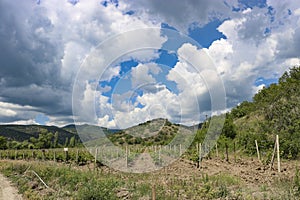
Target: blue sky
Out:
[201,37]
[250,43]
[207,34]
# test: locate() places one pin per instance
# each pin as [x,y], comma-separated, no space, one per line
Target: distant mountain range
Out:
[24,132]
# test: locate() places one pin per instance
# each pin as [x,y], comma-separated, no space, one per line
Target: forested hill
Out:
[274,110]
[40,136]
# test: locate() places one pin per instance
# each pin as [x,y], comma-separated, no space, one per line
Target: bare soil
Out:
[7,191]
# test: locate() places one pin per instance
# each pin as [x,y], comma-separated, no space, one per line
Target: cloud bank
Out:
[44,44]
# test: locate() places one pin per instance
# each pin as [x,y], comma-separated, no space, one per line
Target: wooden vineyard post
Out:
[197,147]
[153,192]
[234,153]
[77,156]
[54,156]
[273,156]
[278,152]
[199,155]
[126,157]
[217,152]
[257,150]
[15,155]
[226,148]
[159,155]
[180,150]
[96,155]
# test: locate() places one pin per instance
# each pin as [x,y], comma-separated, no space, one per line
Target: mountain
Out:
[24,132]
[154,132]
[72,128]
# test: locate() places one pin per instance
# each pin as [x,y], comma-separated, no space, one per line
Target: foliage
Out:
[62,180]
[3,142]
[275,110]
[243,109]
[55,141]
[146,134]
[229,128]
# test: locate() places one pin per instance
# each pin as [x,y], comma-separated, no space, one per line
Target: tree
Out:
[66,142]
[55,142]
[3,142]
[33,141]
[229,128]
[25,144]
[14,145]
[43,141]
[72,142]
[243,109]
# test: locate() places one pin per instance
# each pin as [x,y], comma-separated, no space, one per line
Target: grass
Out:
[64,182]
[69,181]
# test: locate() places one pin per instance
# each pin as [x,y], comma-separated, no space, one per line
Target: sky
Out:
[47,46]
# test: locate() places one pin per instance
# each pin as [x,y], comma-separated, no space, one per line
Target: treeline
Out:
[45,140]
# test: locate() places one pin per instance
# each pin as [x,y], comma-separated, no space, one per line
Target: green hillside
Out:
[36,136]
[154,132]
[24,132]
[275,110]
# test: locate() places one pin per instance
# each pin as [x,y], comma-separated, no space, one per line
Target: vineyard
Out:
[84,156]
[80,156]
[76,175]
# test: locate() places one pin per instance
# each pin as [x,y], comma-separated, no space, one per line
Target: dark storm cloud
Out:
[30,61]
[183,13]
